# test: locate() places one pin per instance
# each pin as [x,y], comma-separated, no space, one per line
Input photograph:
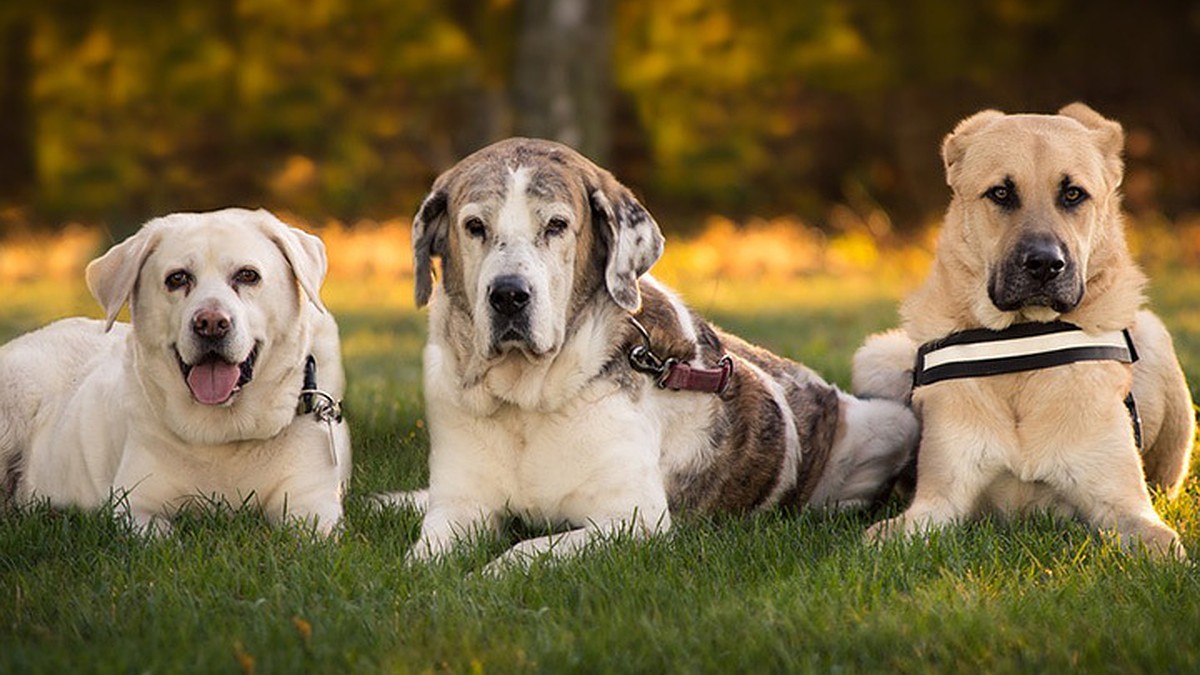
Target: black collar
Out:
[314,401]
[1025,346]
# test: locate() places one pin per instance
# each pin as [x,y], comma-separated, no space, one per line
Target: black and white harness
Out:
[1027,346]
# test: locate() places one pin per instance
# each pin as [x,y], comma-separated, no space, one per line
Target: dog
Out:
[566,387]
[225,384]
[1032,257]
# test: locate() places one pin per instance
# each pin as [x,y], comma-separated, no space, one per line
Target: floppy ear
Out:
[304,252]
[953,146]
[112,277]
[1108,134]
[430,228]
[633,239]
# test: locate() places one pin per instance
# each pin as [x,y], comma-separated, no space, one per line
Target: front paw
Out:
[516,559]
[428,549]
[150,525]
[885,530]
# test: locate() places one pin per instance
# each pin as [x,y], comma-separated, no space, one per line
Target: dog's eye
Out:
[1072,196]
[475,228]
[1004,196]
[247,276]
[556,226]
[177,280]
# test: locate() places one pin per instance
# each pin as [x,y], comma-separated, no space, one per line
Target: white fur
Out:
[89,414]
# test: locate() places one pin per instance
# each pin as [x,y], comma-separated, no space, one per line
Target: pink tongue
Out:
[212,382]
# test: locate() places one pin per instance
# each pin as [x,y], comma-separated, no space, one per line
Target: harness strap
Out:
[1022,347]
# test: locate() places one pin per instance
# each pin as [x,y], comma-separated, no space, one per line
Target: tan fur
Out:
[1056,438]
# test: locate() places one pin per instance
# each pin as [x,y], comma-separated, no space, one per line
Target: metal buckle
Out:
[327,411]
[644,360]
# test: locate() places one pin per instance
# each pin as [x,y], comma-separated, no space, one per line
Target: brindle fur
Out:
[748,434]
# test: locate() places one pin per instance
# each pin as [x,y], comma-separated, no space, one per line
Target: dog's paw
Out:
[1157,540]
[417,500]
[516,559]
[884,530]
[151,526]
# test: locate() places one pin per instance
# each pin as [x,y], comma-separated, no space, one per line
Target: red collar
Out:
[675,375]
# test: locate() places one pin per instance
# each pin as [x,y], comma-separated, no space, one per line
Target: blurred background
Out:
[817,114]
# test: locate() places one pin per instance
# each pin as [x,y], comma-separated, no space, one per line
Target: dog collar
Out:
[673,374]
[1022,347]
[320,404]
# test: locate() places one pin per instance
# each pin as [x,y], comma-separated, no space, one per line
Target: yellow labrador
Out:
[201,395]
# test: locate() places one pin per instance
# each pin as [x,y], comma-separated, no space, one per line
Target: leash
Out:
[1023,347]
[320,404]
[673,374]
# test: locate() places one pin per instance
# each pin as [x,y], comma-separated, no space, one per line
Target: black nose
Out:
[211,324]
[1043,258]
[509,294]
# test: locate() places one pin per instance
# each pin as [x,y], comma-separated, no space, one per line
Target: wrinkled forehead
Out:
[1033,150]
[214,244]
[489,181]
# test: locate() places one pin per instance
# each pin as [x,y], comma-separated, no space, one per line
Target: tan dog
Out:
[543,405]
[1034,235]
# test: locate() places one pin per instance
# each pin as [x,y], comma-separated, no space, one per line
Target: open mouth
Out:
[213,380]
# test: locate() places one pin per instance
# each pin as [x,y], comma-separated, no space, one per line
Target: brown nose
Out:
[210,323]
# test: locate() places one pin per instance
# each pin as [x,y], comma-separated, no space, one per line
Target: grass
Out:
[772,592]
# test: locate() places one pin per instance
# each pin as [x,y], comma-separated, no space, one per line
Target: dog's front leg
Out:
[1104,483]
[145,493]
[450,521]
[570,543]
[956,462]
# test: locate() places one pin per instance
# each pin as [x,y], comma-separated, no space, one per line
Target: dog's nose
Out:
[509,294]
[1043,259]
[210,323]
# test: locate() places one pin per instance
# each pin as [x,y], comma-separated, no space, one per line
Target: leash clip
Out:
[327,411]
[644,360]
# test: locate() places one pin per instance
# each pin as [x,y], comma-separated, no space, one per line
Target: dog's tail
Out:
[883,367]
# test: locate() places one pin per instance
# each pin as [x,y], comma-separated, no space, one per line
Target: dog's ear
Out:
[1109,136]
[305,253]
[112,277]
[953,146]
[430,227]
[633,240]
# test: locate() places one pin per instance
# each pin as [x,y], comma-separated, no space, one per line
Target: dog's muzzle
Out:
[509,298]
[1038,272]
[215,375]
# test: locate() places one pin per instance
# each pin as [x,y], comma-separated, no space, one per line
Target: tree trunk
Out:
[18,168]
[562,87]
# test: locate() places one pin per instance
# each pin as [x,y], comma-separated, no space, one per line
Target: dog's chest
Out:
[1031,420]
[567,464]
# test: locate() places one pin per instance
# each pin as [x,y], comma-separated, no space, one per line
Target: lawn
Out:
[770,593]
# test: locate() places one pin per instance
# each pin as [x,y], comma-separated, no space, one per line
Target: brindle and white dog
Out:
[534,408]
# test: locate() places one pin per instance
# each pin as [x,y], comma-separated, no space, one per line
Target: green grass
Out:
[773,592]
